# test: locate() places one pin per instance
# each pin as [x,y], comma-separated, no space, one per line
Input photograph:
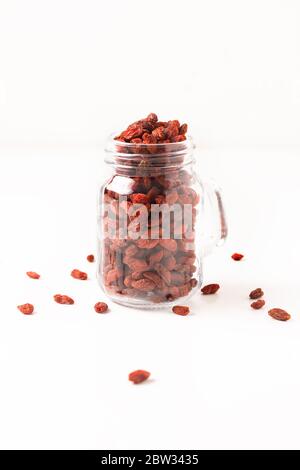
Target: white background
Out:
[70,73]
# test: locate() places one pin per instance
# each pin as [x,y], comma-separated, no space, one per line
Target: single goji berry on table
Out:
[256,294]
[33,275]
[210,289]
[237,256]
[138,376]
[90,258]
[63,299]
[181,310]
[279,314]
[258,304]
[101,307]
[77,274]
[27,309]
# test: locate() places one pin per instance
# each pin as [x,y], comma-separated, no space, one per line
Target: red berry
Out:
[138,376]
[237,257]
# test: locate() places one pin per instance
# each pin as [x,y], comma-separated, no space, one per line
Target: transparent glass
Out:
[157,220]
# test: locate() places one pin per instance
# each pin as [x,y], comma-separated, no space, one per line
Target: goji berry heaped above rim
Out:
[237,256]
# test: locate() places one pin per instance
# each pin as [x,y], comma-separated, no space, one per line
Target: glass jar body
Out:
[150,227]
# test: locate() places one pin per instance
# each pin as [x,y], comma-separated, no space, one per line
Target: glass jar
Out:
[157,220]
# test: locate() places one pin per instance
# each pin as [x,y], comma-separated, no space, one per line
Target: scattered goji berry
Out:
[90,258]
[256,293]
[101,307]
[79,275]
[33,275]
[181,310]
[27,309]
[210,289]
[258,304]
[279,314]
[237,256]
[63,299]
[138,376]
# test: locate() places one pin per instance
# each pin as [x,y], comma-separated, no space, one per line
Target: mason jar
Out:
[157,220]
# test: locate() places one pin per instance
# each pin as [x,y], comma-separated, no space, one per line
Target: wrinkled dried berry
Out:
[256,293]
[138,376]
[63,299]
[27,309]
[210,289]
[279,314]
[144,285]
[101,307]
[237,257]
[33,275]
[181,310]
[79,275]
[258,304]
[90,258]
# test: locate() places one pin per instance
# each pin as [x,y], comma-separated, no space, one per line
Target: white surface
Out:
[224,377]
[70,73]
[72,69]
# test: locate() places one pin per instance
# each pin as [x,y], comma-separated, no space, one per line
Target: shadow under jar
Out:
[154,227]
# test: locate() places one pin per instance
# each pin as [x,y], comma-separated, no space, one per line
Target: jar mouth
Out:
[165,155]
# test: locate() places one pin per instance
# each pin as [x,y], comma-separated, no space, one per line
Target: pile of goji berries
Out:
[150,267]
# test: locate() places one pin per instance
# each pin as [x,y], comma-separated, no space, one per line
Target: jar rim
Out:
[188,143]
[160,151]
[111,142]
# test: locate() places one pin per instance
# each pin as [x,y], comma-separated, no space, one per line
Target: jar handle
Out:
[214,224]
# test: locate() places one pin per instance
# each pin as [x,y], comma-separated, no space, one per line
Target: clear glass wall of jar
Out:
[156,222]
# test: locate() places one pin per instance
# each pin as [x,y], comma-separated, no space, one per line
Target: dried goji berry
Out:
[156,257]
[33,275]
[144,285]
[183,129]
[79,275]
[256,293]
[152,117]
[181,310]
[159,133]
[258,304]
[138,376]
[90,258]
[63,299]
[138,265]
[133,131]
[101,307]
[139,198]
[237,256]
[112,276]
[210,289]
[170,262]
[279,314]
[178,138]
[27,309]
[154,277]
